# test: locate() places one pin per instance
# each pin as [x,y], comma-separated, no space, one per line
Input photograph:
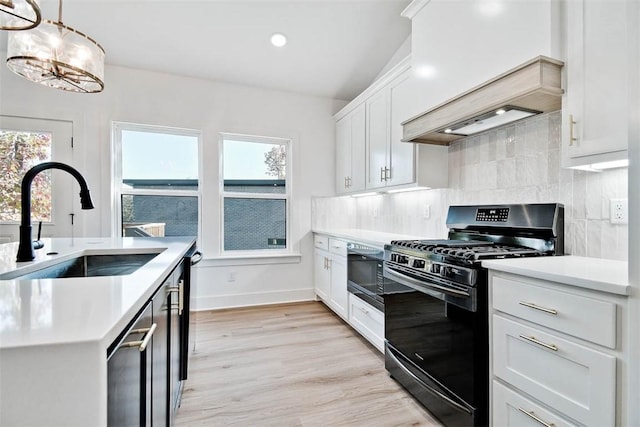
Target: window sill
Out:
[248,259]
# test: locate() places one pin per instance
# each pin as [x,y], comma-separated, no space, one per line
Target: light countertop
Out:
[591,273]
[374,238]
[79,310]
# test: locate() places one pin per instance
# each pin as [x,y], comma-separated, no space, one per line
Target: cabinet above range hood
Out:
[531,88]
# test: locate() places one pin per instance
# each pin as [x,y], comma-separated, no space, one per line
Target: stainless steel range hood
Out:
[531,88]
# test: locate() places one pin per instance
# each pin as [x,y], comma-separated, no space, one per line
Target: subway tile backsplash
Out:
[518,163]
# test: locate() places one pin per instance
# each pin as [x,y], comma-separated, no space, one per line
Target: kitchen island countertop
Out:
[54,333]
[598,274]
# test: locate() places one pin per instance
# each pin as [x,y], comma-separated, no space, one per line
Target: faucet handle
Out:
[37,244]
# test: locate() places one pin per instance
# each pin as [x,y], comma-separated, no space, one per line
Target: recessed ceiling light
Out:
[278,39]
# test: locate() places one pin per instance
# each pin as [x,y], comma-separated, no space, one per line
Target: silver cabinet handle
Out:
[540,343]
[141,344]
[537,307]
[364,310]
[382,175]
[572,123]
[346,182]
[532,415]
[180,290]
[387,174]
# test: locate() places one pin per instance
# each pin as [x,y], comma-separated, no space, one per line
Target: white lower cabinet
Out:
[512,409]
[571,378]
[554,353]
[330,273]
[367,320]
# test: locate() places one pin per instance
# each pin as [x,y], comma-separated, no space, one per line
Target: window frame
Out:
[118,189]
[286,196]
[63,202]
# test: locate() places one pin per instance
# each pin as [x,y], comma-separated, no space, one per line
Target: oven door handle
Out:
[418,284]
[427,386]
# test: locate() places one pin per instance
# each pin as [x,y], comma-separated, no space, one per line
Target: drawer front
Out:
[338,247]
[572,379]
[583,317]
[321,242]
[367,320]
[511,409]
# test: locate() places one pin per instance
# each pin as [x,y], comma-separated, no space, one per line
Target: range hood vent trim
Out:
[534,85]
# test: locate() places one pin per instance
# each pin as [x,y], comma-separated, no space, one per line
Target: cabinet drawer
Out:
[511,409]
[338,247]
[575,380]
[321,242]
[583,317]
[367,320]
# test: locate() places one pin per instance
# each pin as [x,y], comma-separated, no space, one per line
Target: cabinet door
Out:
[129,376]
[510,409]
[402,154]
[377,139]
[322,276]
[343,154]
[597,82]
[160,345]
[339,293]
[358,146]
[175,305]
[573,379]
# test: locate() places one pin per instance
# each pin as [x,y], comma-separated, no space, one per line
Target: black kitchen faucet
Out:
[25,248]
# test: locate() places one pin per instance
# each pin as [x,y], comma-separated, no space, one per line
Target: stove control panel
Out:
[492,214]
[430,268]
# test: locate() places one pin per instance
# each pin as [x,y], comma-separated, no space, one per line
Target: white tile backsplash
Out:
[519,163]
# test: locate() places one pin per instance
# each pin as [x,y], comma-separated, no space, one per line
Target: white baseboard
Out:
[213,302]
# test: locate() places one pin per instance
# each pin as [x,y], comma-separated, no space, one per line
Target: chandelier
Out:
[58,56]
[19,14]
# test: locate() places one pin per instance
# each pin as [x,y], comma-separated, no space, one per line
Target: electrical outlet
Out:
[619,211]
[426,212]
[231,277]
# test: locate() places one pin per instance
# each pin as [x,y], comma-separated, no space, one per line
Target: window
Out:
[157,181]
[255,193]
[24,143]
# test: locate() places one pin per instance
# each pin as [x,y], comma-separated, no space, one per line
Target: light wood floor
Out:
[289,365]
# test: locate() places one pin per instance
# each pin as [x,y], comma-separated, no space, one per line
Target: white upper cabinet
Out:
[595,105]
[370,153]
[458,45]
[350,151]
[391,162]
[378,168]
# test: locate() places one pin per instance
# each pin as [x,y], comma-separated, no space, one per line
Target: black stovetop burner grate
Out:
[470,250]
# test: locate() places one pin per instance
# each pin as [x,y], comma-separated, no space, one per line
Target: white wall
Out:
[159,99]
[519,163]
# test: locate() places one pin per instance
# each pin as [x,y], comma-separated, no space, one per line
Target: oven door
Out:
[438,350]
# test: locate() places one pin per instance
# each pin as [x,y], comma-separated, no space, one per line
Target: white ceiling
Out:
[336,47]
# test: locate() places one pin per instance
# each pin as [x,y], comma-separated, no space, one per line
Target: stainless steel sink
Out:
[88,266]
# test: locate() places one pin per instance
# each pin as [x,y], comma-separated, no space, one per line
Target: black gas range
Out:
[436,330]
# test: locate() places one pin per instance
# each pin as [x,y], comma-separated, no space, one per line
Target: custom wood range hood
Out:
[533,87]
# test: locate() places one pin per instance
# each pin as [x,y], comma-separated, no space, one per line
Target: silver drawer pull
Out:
[142,344]
[538,342]
[364,310]
[537,307]
[531,414]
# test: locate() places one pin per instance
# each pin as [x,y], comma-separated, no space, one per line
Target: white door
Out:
[24,143]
